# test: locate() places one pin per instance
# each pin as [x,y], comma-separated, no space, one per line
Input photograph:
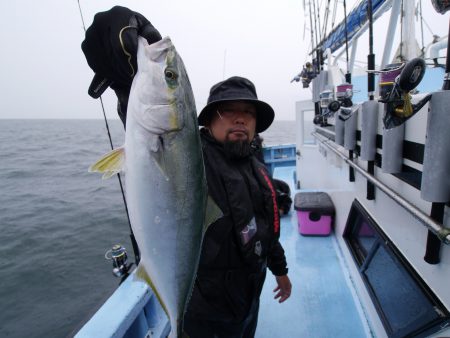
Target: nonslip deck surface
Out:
[321,304]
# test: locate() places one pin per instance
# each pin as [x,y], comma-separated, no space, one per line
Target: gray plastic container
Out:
[350,130]
[392,159]
[369,127]
[436,163]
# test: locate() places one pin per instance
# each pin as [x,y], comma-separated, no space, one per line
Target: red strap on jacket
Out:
[276,215]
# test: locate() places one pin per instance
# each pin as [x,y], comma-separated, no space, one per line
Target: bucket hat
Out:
[237,89]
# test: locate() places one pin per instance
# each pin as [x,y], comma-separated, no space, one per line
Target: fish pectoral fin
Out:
[212,213]
[110,164]
[157,152]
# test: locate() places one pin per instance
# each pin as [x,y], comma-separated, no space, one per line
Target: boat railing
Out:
[132,311]
[283,155]
[441,232]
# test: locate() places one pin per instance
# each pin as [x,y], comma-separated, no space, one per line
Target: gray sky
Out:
[44,73]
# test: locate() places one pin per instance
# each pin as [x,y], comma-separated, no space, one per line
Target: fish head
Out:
[161,89]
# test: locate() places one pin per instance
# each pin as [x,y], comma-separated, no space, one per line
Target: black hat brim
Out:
[264,112]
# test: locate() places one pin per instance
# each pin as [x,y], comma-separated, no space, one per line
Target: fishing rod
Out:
[370,90]
[348,76]
[446,85]
[348,79]
[134,244]
[313,50]
[311,26]
[325,20]
[316,34]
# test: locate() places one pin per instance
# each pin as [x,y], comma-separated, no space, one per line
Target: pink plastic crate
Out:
[308,225]
[315,212]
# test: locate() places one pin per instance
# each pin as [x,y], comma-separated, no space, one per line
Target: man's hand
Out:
[283,290]
[110,47]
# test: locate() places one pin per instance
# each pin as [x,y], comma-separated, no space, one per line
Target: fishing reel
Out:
[395,85]
[343,102]
[326,98]
[321,117]
[441,6]
[119,257]
[319,120]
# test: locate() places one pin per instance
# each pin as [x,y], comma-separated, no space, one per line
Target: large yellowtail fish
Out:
[164,176]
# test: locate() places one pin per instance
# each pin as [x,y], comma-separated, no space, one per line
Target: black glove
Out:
[110,48]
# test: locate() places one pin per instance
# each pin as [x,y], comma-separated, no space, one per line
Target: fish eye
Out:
[170,75]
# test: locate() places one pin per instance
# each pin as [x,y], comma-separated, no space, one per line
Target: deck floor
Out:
[321,304]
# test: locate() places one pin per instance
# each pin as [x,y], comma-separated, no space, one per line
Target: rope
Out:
[133,240]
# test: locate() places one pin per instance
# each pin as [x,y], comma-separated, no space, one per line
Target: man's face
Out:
[234,121]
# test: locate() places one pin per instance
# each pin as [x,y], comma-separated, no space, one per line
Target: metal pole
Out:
[346,42]
[437,228]
[395,13]
[353,55]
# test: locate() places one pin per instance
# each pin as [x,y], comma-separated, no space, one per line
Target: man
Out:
[238,247]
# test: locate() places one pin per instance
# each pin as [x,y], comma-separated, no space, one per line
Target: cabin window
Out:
[406,306]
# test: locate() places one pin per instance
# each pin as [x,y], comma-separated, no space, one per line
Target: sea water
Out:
[57,221]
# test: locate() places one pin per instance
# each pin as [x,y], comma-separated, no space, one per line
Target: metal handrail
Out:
[441,232]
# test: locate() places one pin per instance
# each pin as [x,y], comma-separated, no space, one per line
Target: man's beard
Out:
[235,150]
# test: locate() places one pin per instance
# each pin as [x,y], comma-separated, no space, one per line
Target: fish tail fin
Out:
[176,330]
[142,274]
[110,164]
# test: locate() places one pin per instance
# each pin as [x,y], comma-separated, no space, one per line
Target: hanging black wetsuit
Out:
[237,248]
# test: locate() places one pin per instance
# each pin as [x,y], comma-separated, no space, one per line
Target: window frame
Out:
[363,259]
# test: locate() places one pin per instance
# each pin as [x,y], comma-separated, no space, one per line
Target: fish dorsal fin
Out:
[212,213]
[110,164]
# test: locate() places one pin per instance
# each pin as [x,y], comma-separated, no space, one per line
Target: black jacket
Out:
[238,247]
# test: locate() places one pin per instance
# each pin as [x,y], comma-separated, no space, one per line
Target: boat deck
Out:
[321,303]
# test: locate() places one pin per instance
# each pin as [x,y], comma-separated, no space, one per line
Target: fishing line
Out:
[133,239]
